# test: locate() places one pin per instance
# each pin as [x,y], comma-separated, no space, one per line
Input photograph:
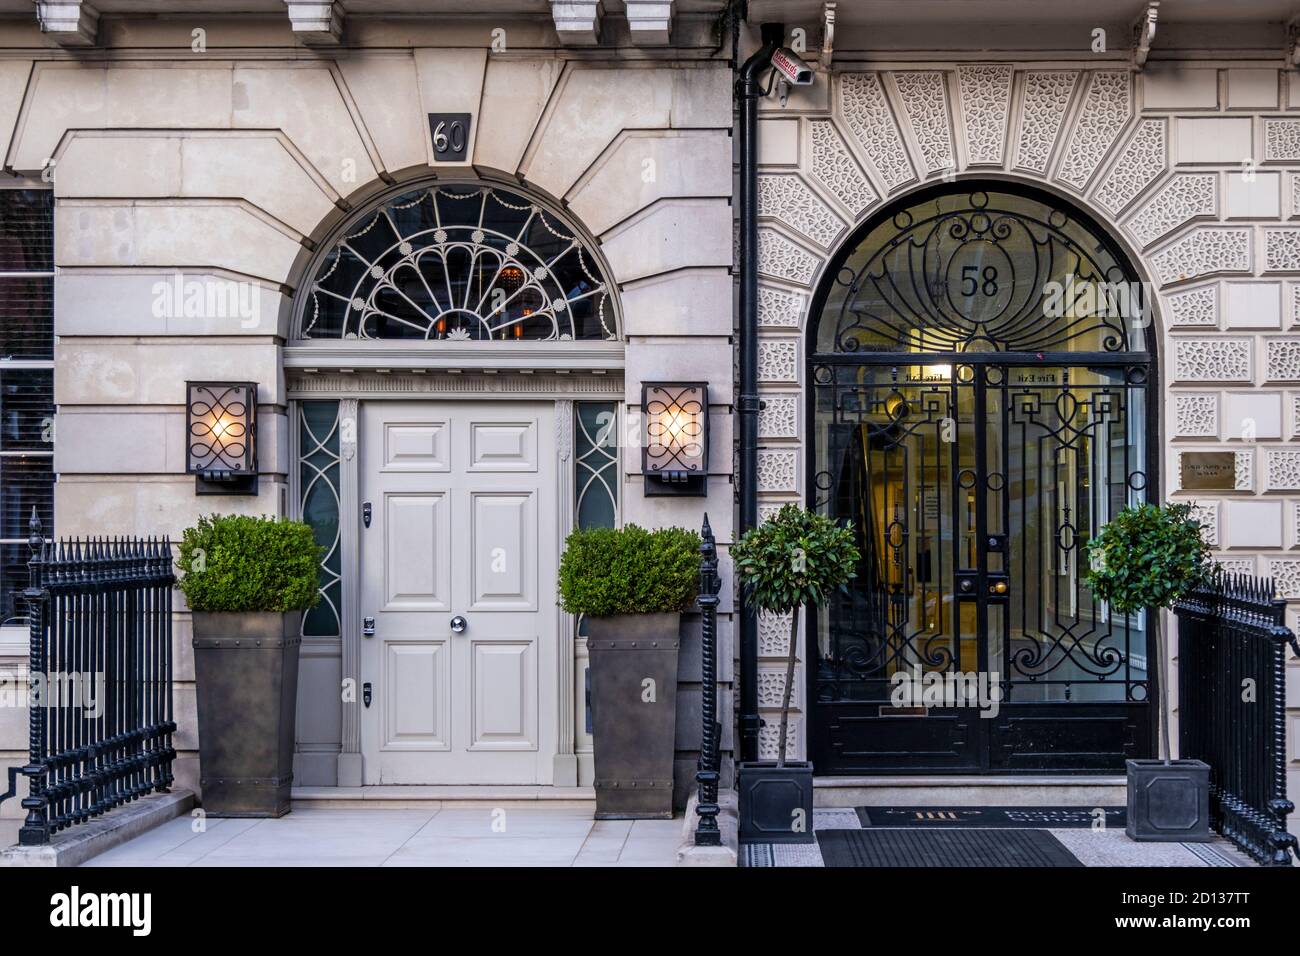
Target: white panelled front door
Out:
[463,524]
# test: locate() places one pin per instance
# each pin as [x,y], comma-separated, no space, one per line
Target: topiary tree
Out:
[794,559]
[240,563]
[629,570]
[1148,557]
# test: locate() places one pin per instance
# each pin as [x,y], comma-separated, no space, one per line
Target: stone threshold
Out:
[79,843]
[412,797]
[970,791]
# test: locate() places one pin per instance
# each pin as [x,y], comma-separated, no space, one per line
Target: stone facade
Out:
[1188,164]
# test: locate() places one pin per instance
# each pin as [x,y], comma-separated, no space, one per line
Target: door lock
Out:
[366,694]
[367,627]
[365,513]
[458,624]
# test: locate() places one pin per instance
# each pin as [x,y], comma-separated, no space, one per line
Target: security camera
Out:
[792,69]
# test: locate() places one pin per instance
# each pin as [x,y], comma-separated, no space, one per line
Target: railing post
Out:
[706,830]
[1283,843]
[36,827]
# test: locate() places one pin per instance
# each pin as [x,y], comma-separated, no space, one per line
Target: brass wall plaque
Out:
[1209,470]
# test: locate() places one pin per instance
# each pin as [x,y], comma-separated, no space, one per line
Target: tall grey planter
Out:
[634,713]
[1168,802]
[246,669]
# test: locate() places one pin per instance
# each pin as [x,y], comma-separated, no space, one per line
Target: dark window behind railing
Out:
[100,715]
[1232,646]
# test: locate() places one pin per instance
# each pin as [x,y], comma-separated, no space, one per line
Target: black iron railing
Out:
[706,829]
[100,682]
[1232,644]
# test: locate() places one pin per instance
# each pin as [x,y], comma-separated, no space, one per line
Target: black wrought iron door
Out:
[968,640]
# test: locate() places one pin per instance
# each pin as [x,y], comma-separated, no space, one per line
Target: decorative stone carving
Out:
[1244,469]
[778,470]
[767,509]
[1141,161]
[1204,251]
[564,429]
[348,428]
[1212,360]
[771,687]
[835,168]
[778,360]
[1207,515]
[1285,573]
[787,198]
[1042,110]
[985,91]
[870,120]
[1186,197]
[780,258]
[1282,360]
[769,737]
[1194,307]
[779,417]
[1282,470]
[1282,249]
[1237,565]
[1107,106]
[773,634]
[1196,416]
[925,100]
[1281,140]
[778,308]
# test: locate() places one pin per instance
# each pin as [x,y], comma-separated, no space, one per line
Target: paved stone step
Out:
[966,791]
[444,797]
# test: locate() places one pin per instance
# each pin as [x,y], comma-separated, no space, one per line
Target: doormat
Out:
[943,848]
[999,817]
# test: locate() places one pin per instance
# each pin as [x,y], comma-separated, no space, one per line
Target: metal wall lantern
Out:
[220,434]
[675,438]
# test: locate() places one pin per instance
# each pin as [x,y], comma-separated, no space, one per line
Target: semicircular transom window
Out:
[984,270]
[463,262]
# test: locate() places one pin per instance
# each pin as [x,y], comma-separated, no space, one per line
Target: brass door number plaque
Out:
[1209,470]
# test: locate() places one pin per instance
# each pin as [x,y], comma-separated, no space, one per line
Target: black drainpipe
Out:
[747,407]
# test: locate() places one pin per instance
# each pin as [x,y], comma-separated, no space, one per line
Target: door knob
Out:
[458,624]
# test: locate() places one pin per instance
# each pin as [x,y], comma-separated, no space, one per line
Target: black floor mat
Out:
[943,848]
[1000,817]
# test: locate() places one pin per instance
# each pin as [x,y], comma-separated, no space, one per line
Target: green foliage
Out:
[241,563]
[629,571]
[795,558]
[1147,557]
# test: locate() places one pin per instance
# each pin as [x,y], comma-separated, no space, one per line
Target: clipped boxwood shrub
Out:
[241,563]
[629,570]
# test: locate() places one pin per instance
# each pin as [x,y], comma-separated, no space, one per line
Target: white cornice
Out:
[69,23]
[577,22]
[316,23]
[650,21]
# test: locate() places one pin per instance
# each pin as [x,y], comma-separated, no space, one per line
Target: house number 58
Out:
[450,133]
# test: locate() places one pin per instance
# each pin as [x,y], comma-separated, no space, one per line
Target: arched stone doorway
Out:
[982,386]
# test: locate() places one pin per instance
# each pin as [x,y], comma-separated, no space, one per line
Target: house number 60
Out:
[449,137]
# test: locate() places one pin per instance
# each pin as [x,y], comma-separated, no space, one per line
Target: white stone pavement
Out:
[375,837]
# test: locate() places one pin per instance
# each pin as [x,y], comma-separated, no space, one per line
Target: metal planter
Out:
[776,803]
[246,669]
[1168,802]
[634,713]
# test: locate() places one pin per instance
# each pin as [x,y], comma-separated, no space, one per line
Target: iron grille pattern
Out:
[100,716]
[461,262]
[1232,643]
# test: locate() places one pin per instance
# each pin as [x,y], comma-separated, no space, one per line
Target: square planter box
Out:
[776,803]
[1168,802]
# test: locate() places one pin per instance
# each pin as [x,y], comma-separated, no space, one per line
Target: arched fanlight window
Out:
[983,269]
[459,262]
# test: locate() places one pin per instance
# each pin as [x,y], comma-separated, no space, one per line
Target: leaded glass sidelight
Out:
[596,459]
[318,482]
[459,262]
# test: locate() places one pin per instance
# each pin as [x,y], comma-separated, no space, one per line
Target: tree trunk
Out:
[1163,744]
[789,686]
